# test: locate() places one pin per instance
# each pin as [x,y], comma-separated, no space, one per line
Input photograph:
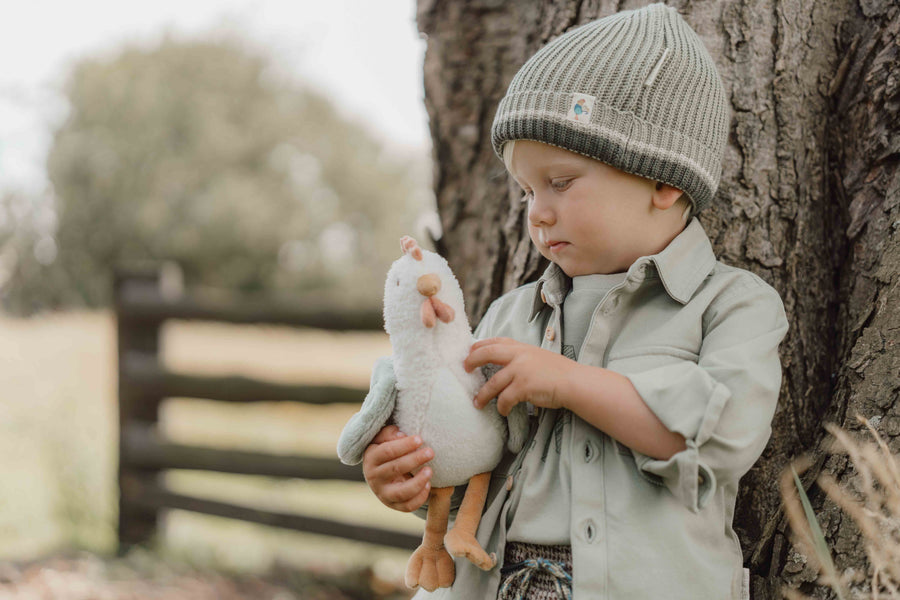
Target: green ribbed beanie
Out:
[636,90]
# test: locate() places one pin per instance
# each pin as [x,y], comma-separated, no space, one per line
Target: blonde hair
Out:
[508,148]
[686,206]
[683,202]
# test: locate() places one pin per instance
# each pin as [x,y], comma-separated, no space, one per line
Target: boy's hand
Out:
[529,373]
[388,463]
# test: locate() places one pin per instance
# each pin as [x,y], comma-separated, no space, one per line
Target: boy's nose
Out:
[540,212]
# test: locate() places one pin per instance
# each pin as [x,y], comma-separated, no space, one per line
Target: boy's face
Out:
[584,215]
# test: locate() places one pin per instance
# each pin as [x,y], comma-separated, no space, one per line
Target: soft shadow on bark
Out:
[808,200]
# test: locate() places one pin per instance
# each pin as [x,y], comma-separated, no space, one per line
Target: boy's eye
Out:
[561,185]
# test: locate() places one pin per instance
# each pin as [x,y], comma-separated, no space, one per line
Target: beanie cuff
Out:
[615,137]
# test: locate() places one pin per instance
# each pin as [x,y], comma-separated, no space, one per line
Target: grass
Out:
[871,500]
[58,437]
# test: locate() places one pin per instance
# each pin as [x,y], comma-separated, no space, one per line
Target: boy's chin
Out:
[568,269]
[568,272]
[578,271]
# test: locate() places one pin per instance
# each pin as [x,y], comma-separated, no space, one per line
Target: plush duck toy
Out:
[426,391]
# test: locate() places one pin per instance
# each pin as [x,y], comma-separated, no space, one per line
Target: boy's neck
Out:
[655,244]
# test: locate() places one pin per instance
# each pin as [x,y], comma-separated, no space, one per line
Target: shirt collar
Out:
[551,289]
[682,267]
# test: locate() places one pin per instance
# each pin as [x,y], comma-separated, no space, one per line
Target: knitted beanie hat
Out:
[636,90]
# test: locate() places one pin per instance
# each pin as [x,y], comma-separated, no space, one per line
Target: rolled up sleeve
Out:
[722,404]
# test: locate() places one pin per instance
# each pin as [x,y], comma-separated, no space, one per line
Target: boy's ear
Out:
[664,196]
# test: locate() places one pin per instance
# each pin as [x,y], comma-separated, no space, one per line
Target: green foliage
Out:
[198,152]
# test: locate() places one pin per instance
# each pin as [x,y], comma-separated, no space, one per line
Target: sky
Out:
[345,48]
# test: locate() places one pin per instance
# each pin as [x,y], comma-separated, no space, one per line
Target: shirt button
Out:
[700,479]
[543,297]
[550,334]
[590,531]
[509,483]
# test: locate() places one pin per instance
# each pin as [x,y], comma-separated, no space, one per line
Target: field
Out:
[58,436]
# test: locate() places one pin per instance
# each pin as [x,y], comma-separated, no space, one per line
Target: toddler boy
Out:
[650,368]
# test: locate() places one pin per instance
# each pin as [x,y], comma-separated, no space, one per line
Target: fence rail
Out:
[145,449]
[144,371]
[154,497]
[144,453]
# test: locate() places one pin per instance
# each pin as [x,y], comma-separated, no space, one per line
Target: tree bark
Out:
[863,149]
[809,200]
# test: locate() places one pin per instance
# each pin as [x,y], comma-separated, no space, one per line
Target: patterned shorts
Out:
[543,583]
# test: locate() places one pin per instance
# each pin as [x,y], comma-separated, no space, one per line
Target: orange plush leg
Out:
[460,540]
[430,566]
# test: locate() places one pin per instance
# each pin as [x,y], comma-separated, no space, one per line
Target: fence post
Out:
[145,296]
[137,338]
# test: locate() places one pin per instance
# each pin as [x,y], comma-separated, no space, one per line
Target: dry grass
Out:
[873,503]
[58,442]
[58,438]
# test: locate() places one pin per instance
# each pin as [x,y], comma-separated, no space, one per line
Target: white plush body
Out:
[435,392]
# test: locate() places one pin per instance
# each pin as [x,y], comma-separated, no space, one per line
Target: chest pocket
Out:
[637,360]
[642,358]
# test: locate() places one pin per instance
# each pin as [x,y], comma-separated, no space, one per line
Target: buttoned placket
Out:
[588,445]
[552,339]
[552,333]
[588,449]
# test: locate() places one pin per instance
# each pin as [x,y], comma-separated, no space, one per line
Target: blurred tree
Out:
[201,152]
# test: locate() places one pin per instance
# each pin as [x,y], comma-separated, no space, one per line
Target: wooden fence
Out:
[144,453]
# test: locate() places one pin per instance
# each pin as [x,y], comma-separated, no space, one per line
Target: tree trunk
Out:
[809,200]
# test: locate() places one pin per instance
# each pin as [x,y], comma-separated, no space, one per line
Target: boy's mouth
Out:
[552,245]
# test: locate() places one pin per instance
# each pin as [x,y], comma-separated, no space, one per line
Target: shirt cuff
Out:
[684,474]
[684,397]
[694,413]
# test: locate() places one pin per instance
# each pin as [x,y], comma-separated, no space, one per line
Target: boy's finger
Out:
[392,450]
[506,400]
[405,491]
[493,387]
[490,341]
[407,463]
[387,434]
[419,499]
[499,354]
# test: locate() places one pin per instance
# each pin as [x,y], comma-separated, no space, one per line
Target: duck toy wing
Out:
[374,414]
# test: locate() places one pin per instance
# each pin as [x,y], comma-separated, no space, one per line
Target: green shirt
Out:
[549,485]
[587,291]
[699,341]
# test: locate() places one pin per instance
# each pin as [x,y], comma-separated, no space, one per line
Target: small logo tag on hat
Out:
[581,108]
